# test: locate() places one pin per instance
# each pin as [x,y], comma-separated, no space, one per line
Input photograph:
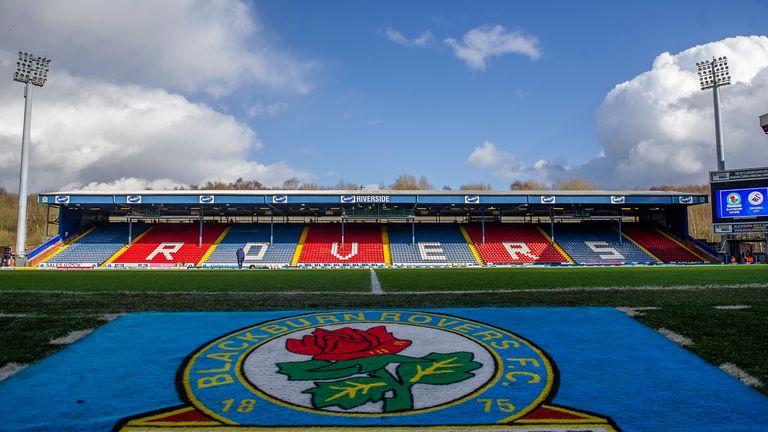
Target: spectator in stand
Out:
[240,257]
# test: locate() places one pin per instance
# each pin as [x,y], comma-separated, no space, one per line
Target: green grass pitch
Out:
[37,306]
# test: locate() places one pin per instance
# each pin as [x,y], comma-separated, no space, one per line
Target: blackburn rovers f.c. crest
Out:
[398,370]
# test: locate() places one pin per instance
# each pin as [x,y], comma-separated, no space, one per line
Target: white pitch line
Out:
[10,369]
[15,315]
[636,311]
[741,375]
[72,337]
[676,337]
[499,291]
[375,285]
[732,307]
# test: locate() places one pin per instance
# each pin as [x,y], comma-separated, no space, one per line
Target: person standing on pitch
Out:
[240,257]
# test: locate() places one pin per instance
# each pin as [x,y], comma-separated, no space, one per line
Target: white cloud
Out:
[184,45]
[420,41]
[91,131]
[501,163]
[486,41]
[658,127]
[271,110]
[127,184]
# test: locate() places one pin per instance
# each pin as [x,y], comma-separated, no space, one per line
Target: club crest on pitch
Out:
[368,368]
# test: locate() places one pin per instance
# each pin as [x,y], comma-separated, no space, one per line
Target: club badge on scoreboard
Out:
[387,369]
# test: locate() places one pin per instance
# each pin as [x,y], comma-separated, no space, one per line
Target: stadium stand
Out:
[660,245]
[436,244]
[254,239]
[96,246]
[514,244]
[171,244]
[362,244]
[598,243]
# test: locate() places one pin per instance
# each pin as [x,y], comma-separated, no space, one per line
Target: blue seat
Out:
[435,244]
[254,239]
[98,245]
[598,243]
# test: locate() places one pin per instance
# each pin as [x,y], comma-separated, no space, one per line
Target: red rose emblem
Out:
[347,343]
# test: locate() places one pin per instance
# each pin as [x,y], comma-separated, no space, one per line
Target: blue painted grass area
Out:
[608,363]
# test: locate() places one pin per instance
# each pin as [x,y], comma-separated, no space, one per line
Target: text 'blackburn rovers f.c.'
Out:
[387,369]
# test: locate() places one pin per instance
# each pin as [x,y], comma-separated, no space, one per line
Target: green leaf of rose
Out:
[348,393]
[440,369]
[370,364]
[314,370]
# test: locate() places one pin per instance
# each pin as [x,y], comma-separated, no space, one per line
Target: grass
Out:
[409,280]
[736,336]
[187,280]
[25,339]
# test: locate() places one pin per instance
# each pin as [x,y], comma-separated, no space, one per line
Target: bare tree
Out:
[346,185]
[409,182]
[574,184]
[291,184]
[476,186]
[519,185]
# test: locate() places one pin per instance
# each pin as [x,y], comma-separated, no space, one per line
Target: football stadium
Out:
[540,308]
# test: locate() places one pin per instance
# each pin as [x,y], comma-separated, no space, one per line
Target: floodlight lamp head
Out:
[31,70]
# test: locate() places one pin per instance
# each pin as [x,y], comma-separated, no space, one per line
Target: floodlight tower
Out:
[712,75]
[29,70]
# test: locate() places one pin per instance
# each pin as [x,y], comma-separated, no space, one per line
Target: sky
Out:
[147,94]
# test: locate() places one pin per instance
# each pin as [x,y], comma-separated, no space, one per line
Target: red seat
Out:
[172,244]
[658,244]
[362,244]
[514,244]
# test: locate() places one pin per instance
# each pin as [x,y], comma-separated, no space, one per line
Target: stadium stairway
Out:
[362,245]
[435,244]
[254,239]
[598,243]
[660,245]
[94,246]
[171,244]
[515,244]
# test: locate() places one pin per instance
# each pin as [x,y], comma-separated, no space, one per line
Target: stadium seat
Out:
[98,245]
[659,245]
[514,244]
[436,244]
[362,244]
[254,239]
[171,244]
[598,243]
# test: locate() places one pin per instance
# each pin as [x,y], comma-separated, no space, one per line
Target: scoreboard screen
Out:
[742,203]
[740,200]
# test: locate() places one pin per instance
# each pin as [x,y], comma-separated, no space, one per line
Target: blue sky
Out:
[347,90]
[427,110]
